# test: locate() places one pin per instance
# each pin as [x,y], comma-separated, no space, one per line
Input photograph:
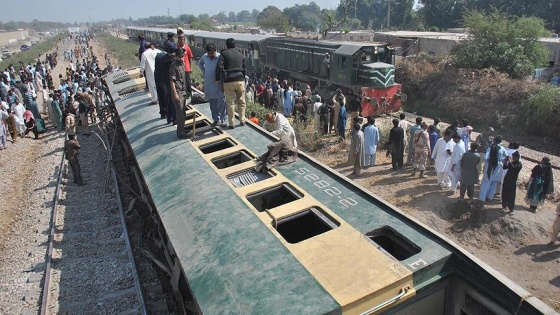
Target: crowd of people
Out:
[31,95]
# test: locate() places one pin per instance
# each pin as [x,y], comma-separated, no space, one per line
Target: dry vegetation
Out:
[485,97]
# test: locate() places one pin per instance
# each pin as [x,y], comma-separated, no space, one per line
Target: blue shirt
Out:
[208,67]
[371,139]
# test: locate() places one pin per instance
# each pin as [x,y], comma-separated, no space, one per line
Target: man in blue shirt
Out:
[212,91]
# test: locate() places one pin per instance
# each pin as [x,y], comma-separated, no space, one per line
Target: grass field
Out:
[31,55]
[121,50]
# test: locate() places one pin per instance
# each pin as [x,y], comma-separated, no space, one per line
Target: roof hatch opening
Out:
[394,243]
[232,159]
[305,225]
[274,197]
[199,124]
[190,116]
[217,146]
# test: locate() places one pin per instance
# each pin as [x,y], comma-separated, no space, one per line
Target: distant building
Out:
[74,30]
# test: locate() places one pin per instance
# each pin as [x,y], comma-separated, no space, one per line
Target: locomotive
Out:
[364,70]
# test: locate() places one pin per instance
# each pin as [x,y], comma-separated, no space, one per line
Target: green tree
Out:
[244,16]
[254,15]
[187,18]
[442,13]
[508,43]
[232,17]
[304,17]
[272,18]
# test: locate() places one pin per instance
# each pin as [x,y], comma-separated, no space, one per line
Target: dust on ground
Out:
[514,245]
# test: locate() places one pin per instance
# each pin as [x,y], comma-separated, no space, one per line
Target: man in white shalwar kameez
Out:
[281,126]
[442,157]
[456,155]
[148,63]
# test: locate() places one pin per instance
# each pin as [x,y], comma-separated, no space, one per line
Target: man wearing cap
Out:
[178,92]
[182,43]
[421,149]
[167,44]
[212,91]
[72,148]
[231,71]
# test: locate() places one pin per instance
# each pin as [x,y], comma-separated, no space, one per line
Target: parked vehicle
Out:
[24,48]
[6,53]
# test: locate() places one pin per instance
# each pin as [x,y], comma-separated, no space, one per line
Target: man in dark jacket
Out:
[178,91]
[162,62]
[396,145]
[231,71]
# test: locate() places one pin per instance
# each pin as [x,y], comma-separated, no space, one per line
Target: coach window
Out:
[343,62]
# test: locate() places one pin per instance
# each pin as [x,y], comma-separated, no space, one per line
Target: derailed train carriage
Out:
[359,69]
[298,239]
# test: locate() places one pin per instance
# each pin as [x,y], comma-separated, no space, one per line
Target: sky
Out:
[105,10]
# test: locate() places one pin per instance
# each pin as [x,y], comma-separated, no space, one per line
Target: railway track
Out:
[89,262]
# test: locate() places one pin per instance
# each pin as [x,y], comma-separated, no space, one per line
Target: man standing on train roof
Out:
[231,71]
[187,60]
[161,67]
[169,41]
[147,64]
[142,47]
[212,91]
[178,92]
[281,126]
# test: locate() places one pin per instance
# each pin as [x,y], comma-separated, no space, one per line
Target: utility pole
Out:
[167,11]
[180,7]
[389,14]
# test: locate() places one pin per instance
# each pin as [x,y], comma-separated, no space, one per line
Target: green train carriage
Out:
[248,44]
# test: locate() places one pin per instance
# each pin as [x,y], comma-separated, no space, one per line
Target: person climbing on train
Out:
[281,126]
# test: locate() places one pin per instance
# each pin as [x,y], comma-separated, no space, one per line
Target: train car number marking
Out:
[326,186]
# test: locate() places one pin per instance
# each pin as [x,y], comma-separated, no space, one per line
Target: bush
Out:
[540,111]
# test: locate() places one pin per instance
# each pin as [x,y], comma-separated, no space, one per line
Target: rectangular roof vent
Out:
[274,197]
[217,146]
[232,159]
[305,225]
[394,243]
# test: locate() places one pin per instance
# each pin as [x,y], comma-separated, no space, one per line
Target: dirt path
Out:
[514,245]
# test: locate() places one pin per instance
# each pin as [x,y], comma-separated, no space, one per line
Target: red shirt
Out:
[187,58]
[254,119]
